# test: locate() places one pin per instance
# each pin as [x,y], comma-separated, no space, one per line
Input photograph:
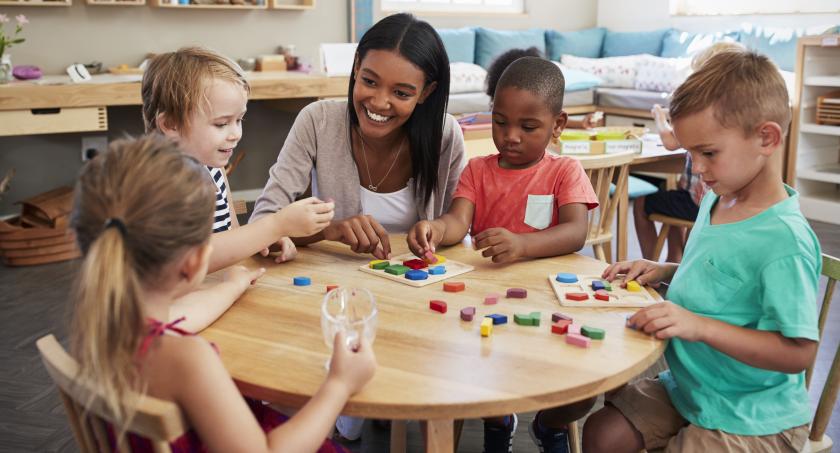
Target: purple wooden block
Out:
[467,313]
[558,316]
[517,293]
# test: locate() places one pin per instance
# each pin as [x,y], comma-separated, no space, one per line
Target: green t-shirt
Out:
[760,273]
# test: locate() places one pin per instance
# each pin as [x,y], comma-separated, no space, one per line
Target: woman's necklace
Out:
[375,187]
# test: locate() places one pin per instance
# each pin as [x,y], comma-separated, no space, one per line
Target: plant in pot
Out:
[6,42]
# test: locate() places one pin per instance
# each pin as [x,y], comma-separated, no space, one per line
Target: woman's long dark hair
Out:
[420,44]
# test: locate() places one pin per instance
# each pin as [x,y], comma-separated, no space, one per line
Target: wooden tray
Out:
[18,244]
[42,259]
[14,230]
[49,209]
[619,297]
[453,268]
[828,108]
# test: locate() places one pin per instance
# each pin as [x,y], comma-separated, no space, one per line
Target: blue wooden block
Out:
[302,281]
[564,277]
[437,270]
[416,274]
[597,284]
[497,318]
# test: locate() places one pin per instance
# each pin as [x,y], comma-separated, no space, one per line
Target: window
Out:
[729,7]
[455,6]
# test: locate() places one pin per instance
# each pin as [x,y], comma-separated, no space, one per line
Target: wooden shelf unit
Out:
[115,2]
[814,160]
[35,3]
[294,5]
[165,4]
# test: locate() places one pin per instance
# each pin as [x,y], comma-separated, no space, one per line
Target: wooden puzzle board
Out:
[619,297]
[453,268]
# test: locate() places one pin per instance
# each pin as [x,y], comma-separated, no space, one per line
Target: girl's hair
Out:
[137,208]
[176,83]
[419,43]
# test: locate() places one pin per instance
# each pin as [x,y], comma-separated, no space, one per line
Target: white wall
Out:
[635,15]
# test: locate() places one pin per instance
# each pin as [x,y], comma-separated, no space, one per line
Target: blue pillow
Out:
[582,43]
[618,44]
[577,80]
[777,43]
[677,44]
[459,44]
[489,44]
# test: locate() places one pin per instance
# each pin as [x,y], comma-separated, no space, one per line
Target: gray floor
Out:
[33,303]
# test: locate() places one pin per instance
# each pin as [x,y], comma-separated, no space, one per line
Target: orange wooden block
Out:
[454,287]
[331,287]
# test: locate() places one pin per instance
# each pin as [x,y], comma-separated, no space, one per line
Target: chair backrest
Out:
[831,269]
[603,170]
[157,420]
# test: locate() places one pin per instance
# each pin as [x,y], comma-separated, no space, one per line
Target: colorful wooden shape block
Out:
[607,286]
[379,264]
[498,319]
[467,313]
[486,327]
[574,328]
[564,277]
[560,327]
[602,295]
[593,332]
[430,258]
[491,299]
[577,340]
[415,264]
[555,317]
[634,286]
[416,274]
[438,305]
[331,287]
[535,318]
[397,269]
[454,287]
[597,284]
[517,293]
[522,319]
[437,270]
[628,323]
[577,296]
[302,281]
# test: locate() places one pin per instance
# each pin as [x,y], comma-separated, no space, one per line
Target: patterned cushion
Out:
[661,74]
[466,77]
[617,72]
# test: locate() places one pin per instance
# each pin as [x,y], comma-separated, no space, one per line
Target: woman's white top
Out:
[395,211]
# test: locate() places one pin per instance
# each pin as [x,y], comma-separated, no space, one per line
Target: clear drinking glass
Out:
[349,310]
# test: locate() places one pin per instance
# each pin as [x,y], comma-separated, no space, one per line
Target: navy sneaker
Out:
[499,439]
[549,440]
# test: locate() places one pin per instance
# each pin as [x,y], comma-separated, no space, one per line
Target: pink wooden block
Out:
[491,299]
[467,313]
[517,293]
[577,340]
[574,328]
[430,258]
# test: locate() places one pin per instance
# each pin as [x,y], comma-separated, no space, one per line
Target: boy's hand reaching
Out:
[500,244]
[306,217]
[287,252]
[352,368]
[668,320]
[645,272]
[242,276]
[424,237]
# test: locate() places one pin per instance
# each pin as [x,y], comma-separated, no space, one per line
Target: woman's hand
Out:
[287,252]
[362,233]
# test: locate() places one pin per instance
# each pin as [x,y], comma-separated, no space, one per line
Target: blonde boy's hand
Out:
[668,320]
[352,368]
[500,244]
[424,237]
[287,252]
[306,217]
[242,276]
[645,272]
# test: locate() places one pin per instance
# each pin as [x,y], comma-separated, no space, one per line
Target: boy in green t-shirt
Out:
[742,317]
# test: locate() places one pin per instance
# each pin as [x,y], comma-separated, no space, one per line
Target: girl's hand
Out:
[666,132]
[668,320]
[242,276]
[500,244]
[352,368]
[423,237]
[287,252]
[362,233]
[645,272]
[306,217]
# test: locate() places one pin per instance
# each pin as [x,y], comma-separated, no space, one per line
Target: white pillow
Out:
[661,74]
[466,77]
[618,72]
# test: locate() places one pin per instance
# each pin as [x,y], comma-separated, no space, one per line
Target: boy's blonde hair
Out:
[716,48]
[175,84]
[744,88]
[130,223]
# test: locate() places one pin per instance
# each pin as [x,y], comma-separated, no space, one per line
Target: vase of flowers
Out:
[7,40]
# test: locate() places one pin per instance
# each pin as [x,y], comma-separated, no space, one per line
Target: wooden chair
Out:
[157,420]
[603,170]
[667,222]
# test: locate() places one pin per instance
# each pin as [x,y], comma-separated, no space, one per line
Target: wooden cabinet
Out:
[814,160]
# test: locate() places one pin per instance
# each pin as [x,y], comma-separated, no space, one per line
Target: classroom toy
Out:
[415,264]
[395,270]
[331,287]
[597,285]
[535,318]
[522,319]
[592,332]
[572,294]
[491,299]
[564,277]
[497,318]
[486,327]
[454,287]
[438,306]
[430,258]
[577,340]
[633,286]
[416,274]
[555,317]
[560,327]
[467,313]
[517,293]
[574,328]
[302,281]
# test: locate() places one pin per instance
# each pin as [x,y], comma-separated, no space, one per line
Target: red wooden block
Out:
[467,313]
[577,296]
[602,295]
[560,316]
[331,287]
[415,264]
[438,305]
[454,287]
[560,327]
[517,293]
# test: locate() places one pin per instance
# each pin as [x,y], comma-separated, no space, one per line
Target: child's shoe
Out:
[549,440]
[499,439]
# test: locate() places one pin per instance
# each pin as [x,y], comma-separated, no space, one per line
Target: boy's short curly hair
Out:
[500,63]
[539,76]
[744,88]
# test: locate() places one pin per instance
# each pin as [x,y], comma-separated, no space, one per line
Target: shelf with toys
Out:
[115,2]
[36,2]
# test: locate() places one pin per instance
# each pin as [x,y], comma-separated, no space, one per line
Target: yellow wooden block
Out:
[634,286]
[486,327]
[377,264]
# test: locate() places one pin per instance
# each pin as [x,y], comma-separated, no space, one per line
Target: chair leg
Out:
[574,437]
[598,249]
[660,241]
[608,252]
[398,433]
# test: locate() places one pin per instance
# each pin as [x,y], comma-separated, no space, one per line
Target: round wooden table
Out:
[432,366]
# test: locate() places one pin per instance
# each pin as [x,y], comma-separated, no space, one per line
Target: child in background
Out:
[198,98]
[521,202]
[684,202]
[146,241]
[739,339]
